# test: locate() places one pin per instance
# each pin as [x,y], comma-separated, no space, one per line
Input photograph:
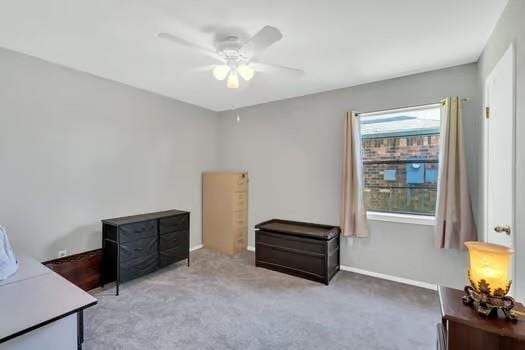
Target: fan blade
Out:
[182,42]
[260,41]
[265,67]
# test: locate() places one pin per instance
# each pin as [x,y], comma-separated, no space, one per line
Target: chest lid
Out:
[297,228]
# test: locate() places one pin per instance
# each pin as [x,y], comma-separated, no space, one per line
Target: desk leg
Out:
[80,329]
[118,269]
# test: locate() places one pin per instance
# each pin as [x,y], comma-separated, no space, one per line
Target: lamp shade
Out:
[489,267]
[245,71]
[233,81]
[221,72]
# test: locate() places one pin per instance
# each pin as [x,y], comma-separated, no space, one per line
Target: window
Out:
[400,159]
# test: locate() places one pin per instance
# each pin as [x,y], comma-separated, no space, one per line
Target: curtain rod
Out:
[405,108]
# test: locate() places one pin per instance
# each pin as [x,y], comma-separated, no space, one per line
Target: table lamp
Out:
[489,279]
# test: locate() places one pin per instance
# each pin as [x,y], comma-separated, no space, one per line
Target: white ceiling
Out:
[338,43]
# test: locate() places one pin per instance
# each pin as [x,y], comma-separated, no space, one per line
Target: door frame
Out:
[512,50]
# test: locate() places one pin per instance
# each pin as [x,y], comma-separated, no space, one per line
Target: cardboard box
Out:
[225,211]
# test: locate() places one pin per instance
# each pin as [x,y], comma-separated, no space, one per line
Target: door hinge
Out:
[487,112]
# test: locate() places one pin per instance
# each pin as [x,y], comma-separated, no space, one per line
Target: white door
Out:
[499,152]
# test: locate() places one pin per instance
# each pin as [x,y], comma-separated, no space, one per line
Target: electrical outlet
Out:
[62,253]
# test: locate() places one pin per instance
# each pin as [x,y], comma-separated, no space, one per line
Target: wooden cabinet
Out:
[462,328]
[134,246]
[225,211]
[301,249]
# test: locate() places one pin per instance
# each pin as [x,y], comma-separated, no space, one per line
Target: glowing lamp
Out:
[489,278]
[245,71]
[233,81]
[221,72]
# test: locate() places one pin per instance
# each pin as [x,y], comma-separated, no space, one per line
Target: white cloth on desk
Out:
[8,262]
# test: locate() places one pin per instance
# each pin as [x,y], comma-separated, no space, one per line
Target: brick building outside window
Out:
[401,160]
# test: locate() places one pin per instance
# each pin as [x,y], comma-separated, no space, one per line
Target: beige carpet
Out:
[227,303]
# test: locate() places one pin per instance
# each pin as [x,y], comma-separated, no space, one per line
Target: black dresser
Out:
[134,246]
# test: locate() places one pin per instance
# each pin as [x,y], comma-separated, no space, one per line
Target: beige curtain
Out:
[353,213]
[454,220]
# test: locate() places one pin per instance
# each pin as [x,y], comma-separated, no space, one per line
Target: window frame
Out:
[415,219]
[426,220]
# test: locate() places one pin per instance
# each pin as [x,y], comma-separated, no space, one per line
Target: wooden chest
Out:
[301,249]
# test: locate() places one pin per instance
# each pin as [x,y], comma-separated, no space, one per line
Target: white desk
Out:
[41,310]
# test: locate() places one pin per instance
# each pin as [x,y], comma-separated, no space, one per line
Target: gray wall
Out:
[292,150]
[511,30]
[75,149]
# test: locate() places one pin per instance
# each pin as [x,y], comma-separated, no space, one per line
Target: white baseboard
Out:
[251,248]
[197,247]
[390,278]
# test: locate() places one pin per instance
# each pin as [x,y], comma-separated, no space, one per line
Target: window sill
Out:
[402,218]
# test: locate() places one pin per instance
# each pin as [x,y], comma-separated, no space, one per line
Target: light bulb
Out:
[233,81]
[221,72]
[245,71]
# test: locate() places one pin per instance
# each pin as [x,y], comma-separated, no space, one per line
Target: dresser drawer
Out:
[131,232]
[170,256]
[173,239]
[139,247]
[138,267]
[174,223]
[292,260]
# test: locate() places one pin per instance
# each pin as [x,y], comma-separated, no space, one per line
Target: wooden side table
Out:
[462,328]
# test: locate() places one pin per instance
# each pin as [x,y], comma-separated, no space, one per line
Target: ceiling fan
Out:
[238,58]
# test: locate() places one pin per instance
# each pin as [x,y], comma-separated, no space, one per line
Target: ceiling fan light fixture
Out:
[246,71]
[220,72]
[233,81]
